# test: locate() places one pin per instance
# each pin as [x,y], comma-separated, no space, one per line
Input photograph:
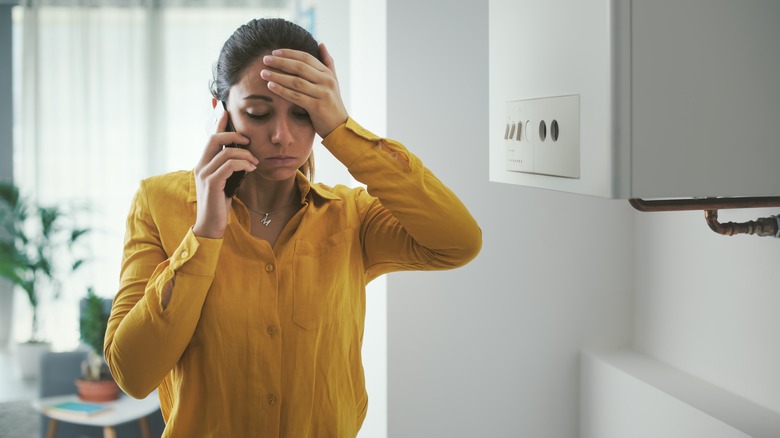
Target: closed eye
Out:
[263,116]
[301,115]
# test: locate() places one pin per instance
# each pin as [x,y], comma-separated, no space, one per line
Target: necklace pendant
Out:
[265,221]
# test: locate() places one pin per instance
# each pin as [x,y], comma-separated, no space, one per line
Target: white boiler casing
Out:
[651,98]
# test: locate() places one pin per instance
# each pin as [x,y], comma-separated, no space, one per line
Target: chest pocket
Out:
[322,288]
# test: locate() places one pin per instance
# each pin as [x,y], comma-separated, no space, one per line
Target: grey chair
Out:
[59,371]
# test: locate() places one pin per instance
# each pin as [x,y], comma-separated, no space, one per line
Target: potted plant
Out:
[96,383]
[37,248]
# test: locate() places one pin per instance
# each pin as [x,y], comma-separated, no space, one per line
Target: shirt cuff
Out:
[345,143]
[196,255]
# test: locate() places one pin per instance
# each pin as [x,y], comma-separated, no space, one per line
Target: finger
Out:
[217,143]
[210,121]
[219,137]
[216,181]
[327,59]
[295,81]
[291,86]
[224,156]
[292,55]
[219,122]
[218,178]
[302,65]
[220,118]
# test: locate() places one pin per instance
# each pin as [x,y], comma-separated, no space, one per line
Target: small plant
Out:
[36,248]
[92,328]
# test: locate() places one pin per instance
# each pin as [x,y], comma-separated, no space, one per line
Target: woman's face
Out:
[280,133]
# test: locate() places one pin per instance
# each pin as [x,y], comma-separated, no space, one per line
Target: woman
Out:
[247,312]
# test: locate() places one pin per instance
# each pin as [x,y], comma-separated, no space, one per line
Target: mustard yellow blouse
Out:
[266,342]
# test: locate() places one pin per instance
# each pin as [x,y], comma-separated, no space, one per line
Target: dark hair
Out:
[252,40]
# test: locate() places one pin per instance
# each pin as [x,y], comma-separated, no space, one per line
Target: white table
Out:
[122,410]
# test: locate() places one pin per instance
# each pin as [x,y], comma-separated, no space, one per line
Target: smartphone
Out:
[234,180]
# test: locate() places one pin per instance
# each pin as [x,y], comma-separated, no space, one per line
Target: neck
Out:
[267,196]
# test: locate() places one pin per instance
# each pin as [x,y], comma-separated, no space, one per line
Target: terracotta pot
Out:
[102,391]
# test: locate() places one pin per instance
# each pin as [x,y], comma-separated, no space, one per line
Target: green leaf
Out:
[49,216]
[76,233]
[77,264]
[9,194]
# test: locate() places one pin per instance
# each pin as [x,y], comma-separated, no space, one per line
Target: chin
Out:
[278,174]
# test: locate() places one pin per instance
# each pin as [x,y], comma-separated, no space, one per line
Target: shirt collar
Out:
[305,186]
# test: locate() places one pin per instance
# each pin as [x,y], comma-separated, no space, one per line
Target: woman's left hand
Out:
[302,79]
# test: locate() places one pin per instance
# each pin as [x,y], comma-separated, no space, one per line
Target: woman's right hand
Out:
[212,171]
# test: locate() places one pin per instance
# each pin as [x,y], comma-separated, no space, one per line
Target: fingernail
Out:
[276,52]
[265,74]
[268,59]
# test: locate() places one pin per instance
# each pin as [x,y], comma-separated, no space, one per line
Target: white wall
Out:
[710,304]
[368,105]
[626,395]
[491,349]
[354,32]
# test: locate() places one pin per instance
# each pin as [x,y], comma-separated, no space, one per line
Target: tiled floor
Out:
[12,386]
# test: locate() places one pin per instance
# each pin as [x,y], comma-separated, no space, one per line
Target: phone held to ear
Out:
[234,180]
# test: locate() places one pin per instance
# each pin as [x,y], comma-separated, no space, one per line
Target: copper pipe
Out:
[765,226]
[704,203]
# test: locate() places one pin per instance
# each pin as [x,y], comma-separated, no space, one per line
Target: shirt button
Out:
[269,267]
[185,254]
[271,330]
[271,399]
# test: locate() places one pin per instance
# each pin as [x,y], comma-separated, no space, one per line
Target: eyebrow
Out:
[259,96]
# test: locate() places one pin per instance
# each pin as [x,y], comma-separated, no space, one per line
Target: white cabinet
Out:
[676,98]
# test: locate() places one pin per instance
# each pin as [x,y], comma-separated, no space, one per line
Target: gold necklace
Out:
[265,221]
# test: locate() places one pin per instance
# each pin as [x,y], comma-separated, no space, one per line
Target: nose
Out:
[281,134]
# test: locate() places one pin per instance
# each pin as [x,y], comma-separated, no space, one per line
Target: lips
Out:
[281,161]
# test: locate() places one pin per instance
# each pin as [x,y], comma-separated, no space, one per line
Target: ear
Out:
[214,102]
